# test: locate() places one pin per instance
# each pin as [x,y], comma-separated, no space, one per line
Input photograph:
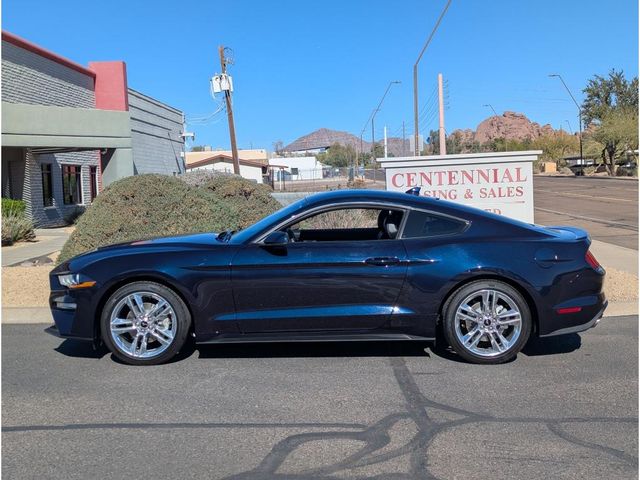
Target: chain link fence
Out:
[326,178]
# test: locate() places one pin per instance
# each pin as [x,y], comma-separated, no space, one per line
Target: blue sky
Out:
[302,65]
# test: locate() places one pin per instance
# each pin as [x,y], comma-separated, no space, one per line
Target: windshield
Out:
[260,226]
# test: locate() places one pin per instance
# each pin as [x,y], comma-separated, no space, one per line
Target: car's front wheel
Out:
[145,323]
[487,321]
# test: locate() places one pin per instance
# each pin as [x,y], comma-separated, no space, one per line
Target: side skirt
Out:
[277,338]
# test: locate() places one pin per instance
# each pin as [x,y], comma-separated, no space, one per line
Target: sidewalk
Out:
[48,240]
[614,256]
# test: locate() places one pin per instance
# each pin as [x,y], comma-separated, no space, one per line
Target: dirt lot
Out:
[29,286]
[26,286]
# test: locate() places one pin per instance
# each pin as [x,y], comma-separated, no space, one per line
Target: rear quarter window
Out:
[425,224]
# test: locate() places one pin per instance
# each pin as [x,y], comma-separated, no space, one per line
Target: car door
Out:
[311,286]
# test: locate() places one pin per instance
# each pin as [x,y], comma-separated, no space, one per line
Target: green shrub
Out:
[11,206]
[252,200]
[146,206]
[16,227]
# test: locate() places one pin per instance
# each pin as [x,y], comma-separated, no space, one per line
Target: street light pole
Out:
[364,127]
[579,119]
[415,80]
[373,118]
[491,107]
[570,129]
[496,114]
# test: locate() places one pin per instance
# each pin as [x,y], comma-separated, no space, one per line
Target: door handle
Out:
[382,261]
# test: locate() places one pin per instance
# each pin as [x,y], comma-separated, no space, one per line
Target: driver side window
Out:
[347,224]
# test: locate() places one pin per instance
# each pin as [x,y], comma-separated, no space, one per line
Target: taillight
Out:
[591,260]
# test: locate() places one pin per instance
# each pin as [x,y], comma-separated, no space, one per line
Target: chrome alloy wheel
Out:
[143,325]
[488,323]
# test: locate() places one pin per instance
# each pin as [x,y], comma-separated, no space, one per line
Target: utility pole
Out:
[415,81]
[404,142]
[232,128]
[385,141]
[443,136]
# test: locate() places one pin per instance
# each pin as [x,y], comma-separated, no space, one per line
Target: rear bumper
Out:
[580,327]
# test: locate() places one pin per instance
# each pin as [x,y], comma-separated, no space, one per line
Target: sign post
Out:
[499,182]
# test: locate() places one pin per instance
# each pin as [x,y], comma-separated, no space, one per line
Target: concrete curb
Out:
[26,315]
[562,175]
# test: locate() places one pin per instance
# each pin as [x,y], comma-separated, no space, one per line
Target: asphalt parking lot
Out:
[607,208]
[566,408]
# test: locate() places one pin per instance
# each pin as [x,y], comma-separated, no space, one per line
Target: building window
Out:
[47,189]
[93,172]
[71,180]
[294,171]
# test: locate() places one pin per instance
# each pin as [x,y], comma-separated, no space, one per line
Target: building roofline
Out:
[155,101]
[226,159]
[32,47]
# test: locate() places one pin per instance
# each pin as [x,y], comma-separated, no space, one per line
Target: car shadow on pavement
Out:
[552,345]
[315,349]
[80,349]
[536,346]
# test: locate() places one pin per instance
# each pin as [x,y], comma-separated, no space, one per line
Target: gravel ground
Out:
[25,286]
[29,286]
[620,286]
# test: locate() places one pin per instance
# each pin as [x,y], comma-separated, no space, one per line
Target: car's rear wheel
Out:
[145,323]
[487,321]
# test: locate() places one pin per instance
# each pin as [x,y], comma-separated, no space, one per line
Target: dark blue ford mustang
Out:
[347,265]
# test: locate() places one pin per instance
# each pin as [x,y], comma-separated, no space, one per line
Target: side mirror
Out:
[276,239]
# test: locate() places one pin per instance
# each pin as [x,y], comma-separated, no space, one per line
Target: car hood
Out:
[186,241]
[190,239]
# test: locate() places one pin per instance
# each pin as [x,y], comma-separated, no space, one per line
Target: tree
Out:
[278,145]
[616,134]
[197,148]
[604,95]
[557,145]
[338,155]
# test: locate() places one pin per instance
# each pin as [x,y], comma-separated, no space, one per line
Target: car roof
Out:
[361,194]
[412,201]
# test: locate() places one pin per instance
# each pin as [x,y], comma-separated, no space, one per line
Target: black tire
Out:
[180,315]
[449,321]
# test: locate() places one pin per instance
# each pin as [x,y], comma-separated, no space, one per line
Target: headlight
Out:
[75,280]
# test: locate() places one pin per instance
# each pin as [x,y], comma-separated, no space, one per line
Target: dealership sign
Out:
[501,183]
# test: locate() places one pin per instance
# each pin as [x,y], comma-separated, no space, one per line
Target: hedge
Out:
[146,206]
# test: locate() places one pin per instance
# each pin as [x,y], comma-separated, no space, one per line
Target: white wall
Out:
[246,171]
[308,167]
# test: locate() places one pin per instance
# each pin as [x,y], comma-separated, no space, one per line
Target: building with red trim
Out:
[68,130]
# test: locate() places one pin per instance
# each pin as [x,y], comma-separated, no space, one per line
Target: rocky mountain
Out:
[324,138]
[509,125]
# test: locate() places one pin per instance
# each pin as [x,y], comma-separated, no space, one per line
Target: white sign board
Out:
[499,183]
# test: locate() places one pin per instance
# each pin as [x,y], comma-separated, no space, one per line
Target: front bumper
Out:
[581,327]
[73,312]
